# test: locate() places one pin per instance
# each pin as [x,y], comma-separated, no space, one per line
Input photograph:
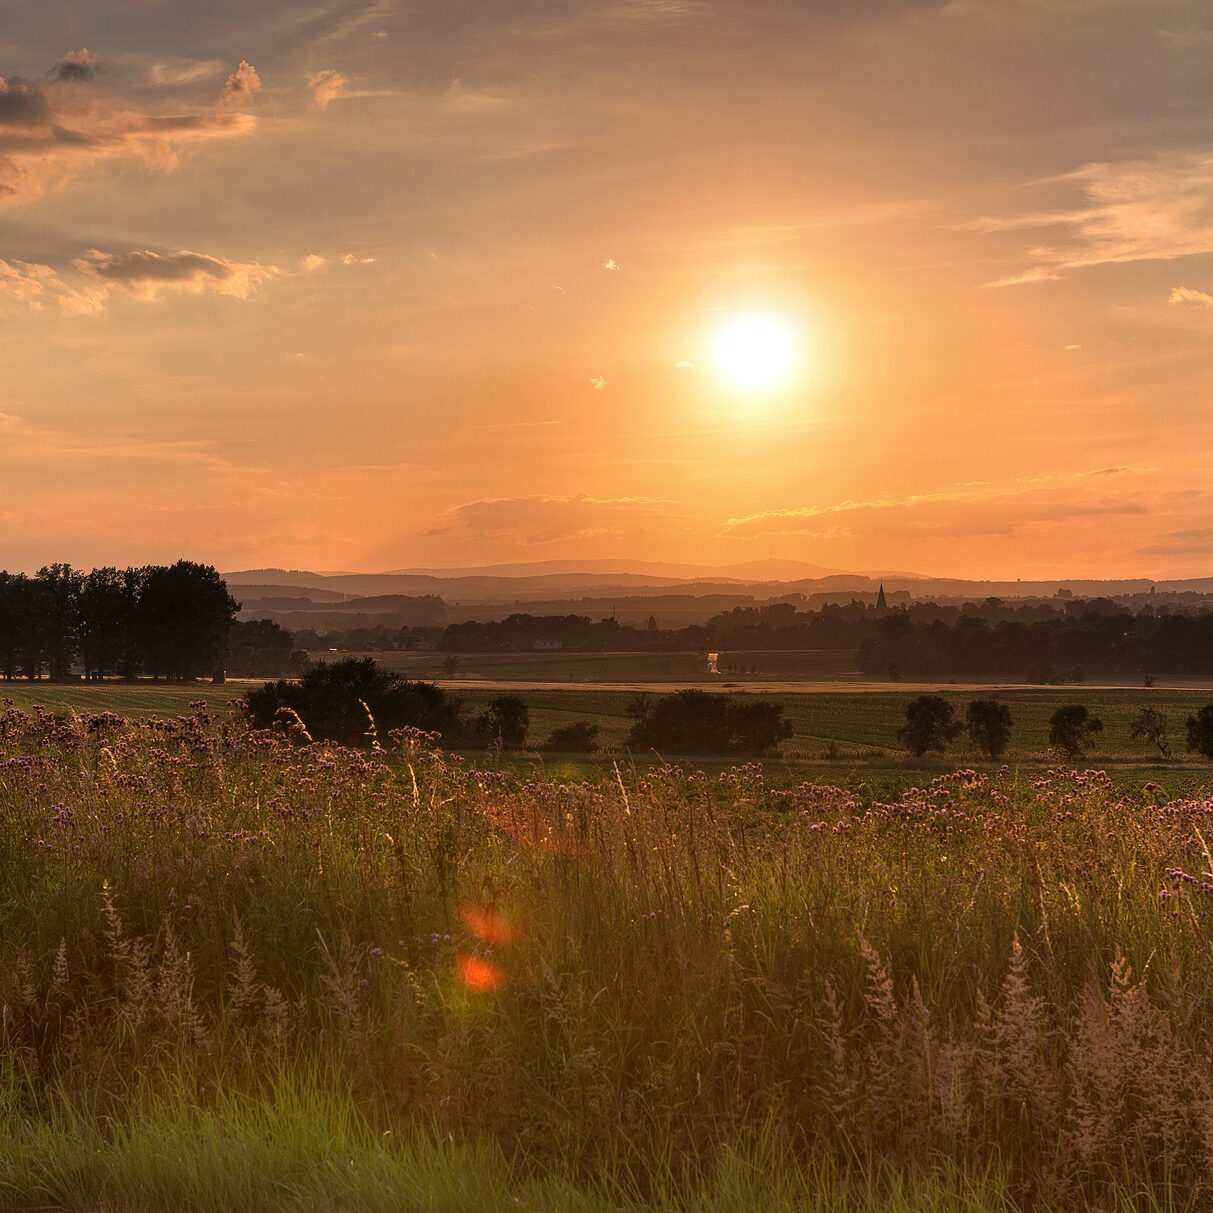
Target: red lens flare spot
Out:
[478,975]
[487,925]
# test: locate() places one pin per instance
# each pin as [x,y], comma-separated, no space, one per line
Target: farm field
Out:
[242,973]
[848,735]
[828,665]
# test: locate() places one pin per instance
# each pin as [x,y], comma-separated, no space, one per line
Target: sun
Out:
[756,351]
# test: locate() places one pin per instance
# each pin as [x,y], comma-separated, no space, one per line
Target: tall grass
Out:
[225,951]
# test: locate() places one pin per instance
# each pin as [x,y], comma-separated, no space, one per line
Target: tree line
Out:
[1061,649]
[166,621]
[931,726]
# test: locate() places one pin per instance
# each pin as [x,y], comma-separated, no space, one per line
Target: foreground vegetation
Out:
[225,954]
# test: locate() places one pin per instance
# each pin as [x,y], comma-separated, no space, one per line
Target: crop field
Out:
[829,665]
[241,972]
[863,725]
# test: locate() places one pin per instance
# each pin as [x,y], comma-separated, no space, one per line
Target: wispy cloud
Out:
[1145,209]
[978,508]
[543,518]
[327,86]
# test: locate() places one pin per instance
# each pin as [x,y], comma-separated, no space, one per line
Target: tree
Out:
[106,616]
[507,718]
[1151,725]
[259,648]
[1200,731]
[1071,729]
[59,605]
[928,726]
[989,726]
[185,612]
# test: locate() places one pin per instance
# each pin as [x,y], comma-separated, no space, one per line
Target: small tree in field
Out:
[988,723]
[1071,729]
[1151,725]
[928,726]
[1200,731]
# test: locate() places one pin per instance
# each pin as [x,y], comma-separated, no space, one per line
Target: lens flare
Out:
[477,974]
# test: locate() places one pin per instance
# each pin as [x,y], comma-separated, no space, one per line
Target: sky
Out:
[380,284]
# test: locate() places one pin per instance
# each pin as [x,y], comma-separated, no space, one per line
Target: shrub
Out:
[699,722]
[332,700]
[580,737]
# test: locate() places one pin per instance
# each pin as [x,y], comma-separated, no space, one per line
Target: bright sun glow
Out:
[755,350]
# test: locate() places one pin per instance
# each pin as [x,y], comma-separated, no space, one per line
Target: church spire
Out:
[881,605]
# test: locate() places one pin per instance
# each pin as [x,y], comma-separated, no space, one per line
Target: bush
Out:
[580,737]
[699,722]
[332,700]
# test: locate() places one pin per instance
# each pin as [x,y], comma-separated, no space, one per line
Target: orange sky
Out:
[367,284]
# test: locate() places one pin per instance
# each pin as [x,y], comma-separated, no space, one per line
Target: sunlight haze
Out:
[376,284]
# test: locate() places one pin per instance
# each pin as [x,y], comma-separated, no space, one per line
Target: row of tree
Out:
[931,725]
[1051,650]
[169,621]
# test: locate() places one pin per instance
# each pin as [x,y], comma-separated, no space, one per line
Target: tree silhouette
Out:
[1200,731]
[989,723]
[928,726]
[1151,725]
[1071,729]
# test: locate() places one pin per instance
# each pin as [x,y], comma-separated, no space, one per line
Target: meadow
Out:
[242,970]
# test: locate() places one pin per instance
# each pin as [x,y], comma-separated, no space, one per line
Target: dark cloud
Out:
[144,273]
[75,65]
[22,104]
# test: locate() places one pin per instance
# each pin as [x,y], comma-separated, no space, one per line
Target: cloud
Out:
[75,65]
[241,86]
[47,136]
[1195,542]
[140,274]
[327,86]
[353,259]
[543,518]
[1185,294]
[1145,209]
[610,264]
[685,365]
[981,508]
[23,104]
[313,261]
[24,442]
[598,383]
[143,274]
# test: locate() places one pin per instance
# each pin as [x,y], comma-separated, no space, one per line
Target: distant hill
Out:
[630,589]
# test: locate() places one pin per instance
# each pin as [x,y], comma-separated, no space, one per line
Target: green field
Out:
[833,729]
[132,700]
[828,665]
